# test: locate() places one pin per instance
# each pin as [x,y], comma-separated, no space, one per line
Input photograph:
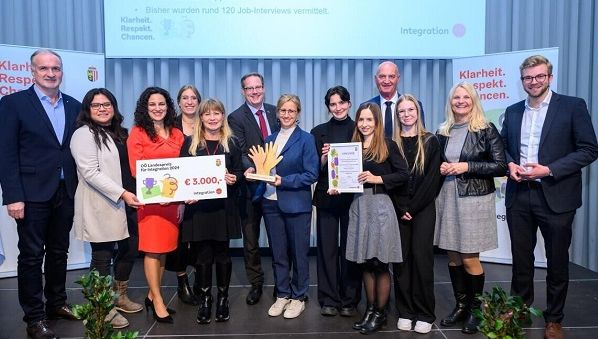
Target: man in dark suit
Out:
[38,184]
[387,80]
[251,123]
[548,139]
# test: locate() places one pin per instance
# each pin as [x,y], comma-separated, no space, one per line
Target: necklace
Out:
[215,148]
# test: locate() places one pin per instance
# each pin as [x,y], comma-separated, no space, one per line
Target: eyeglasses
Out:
[402,112]
[97,105]
[287,111]
[253,88]
[539,78]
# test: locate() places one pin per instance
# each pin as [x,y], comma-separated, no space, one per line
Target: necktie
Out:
[388,120]
[263,127]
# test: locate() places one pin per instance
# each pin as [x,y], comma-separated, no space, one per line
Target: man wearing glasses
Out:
[38,180]
[387,81]
[548,139]
[251,123]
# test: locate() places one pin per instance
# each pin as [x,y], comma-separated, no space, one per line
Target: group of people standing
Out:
[420,189]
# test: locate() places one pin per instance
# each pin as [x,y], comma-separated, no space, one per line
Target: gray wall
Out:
[510,25]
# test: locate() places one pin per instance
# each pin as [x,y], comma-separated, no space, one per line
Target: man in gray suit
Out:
[251,123]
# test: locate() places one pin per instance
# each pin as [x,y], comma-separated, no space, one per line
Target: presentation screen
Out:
[294,29]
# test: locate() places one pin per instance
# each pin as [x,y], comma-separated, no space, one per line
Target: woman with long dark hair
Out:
[373,236]
[104,193]
[154,137]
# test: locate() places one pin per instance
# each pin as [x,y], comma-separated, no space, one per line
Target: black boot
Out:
[223,272]
[375,321]
[185,292]
[459,282]
[203,279]
[476,284]
[366,316]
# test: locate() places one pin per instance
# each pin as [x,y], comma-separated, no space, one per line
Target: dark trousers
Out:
[339,280]
[528,212]
[44,232]
[103,254]
[288,235]
[414,277]
[251,219]
[211,251]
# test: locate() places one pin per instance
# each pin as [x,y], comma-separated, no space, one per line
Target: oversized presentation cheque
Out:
[264,159]
[181,179]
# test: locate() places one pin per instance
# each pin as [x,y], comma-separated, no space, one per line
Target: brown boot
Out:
[123,303]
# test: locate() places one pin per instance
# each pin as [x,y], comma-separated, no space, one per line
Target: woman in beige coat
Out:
[105,189]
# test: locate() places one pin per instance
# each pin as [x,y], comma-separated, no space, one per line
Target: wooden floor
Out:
[581,311]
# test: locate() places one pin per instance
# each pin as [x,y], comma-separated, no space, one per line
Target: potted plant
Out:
[503,316]
[98,291]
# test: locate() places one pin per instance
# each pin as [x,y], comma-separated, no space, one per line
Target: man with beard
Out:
[251,123]
[548,139]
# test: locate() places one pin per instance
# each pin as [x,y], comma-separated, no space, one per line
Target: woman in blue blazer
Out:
[287,208]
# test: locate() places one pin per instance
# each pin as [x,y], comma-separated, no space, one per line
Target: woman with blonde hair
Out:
[373,236]
[465,208]
[208,225]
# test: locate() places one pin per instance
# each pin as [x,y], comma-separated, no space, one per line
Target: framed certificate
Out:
[180,179]
[344,165]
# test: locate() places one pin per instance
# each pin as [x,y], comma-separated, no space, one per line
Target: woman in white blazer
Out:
[105,189]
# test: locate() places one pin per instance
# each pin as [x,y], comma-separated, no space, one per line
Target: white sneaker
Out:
[278,307]
[294,309]
[422,327]
[404,324]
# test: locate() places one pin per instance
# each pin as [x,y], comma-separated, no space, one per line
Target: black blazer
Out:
[247,133]
[30,153]
[567,144]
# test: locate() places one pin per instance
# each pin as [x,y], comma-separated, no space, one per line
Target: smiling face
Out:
[253,91]
[156,107]
[338,107]
[287,114]
[101,110]
[461,104]
[47,72]
[188,102]
[366,124]
[407,112]
[535,88]
[387,79]
[212,121]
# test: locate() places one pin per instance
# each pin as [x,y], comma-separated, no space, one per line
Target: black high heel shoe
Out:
[150,304]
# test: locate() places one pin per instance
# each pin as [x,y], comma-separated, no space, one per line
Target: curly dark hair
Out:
[100,133]
[142,118]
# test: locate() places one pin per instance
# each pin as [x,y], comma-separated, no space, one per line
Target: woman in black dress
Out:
[208,225]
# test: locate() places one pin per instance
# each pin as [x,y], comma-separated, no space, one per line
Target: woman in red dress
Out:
[154,137]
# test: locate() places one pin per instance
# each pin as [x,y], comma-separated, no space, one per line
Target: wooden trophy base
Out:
[261,177]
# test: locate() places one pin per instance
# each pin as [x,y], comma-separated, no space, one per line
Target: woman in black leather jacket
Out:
[465,207]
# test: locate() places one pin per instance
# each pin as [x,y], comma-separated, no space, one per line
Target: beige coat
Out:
[99,212]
